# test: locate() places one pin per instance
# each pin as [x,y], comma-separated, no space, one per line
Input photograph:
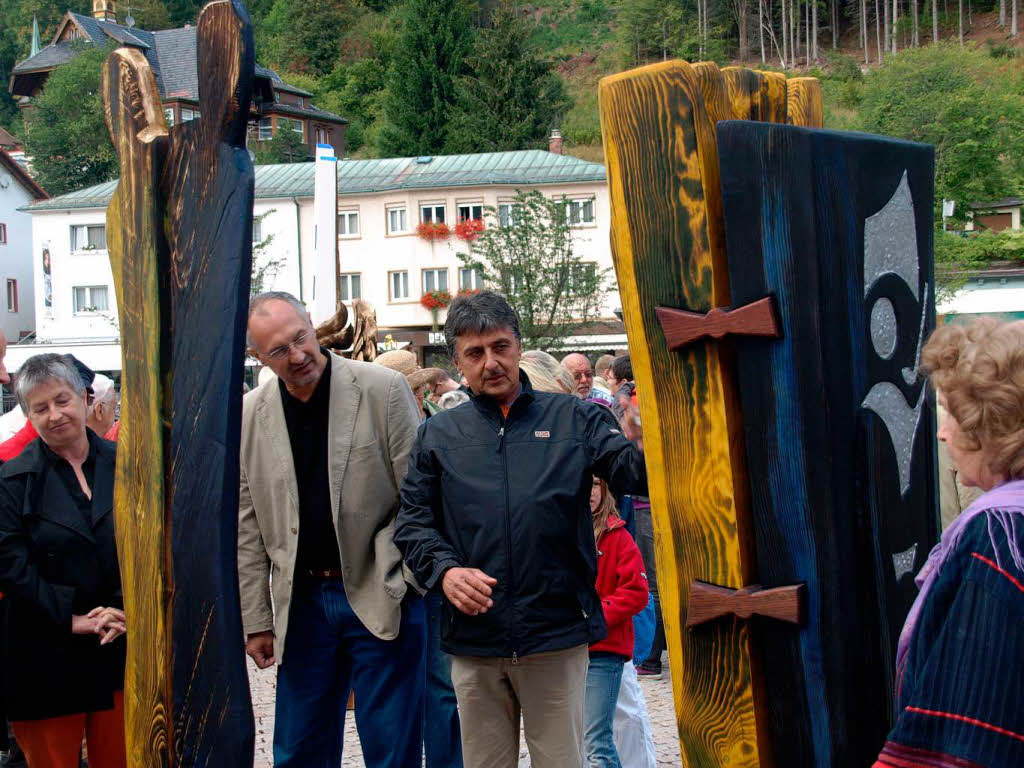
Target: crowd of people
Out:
[478,551]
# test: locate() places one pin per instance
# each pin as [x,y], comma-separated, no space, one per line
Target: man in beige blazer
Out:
[324,592]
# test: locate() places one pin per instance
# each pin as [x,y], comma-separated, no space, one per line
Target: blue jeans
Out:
[329,652]
[442,739]
[604,676]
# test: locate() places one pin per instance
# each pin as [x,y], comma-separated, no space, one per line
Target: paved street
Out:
[657,692]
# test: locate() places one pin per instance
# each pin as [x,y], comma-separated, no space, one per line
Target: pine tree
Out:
[430,54]
[512,99]
[305,37]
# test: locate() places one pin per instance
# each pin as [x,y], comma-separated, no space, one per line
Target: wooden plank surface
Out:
[659,141]
[137,252]
[744,88]
[208,186]
[827,504]
[805,107]
[774,97]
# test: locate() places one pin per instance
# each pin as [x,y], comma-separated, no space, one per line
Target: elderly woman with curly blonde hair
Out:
[960,660]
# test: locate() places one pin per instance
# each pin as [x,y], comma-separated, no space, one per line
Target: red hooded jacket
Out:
[621,585]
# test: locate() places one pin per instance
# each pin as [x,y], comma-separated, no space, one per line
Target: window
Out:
[298,101]
[435,280]
[88,237]
[582,276]
[12,295]
[470,279]
[266,129]
[579,212]
[434,213]
[169,116]
[257,229]
[90,298]
[288,124]
[3,234]
[469,211]
[349,287]
[348,224]
[322,135]
[189,114]
[507,214]
[399,285]
[396,221]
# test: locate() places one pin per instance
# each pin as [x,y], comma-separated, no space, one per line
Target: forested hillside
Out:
[434,76]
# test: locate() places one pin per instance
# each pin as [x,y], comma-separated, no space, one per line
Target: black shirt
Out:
[307,433]
[70,480]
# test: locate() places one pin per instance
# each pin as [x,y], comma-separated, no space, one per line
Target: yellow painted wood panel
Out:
[805,105]
[659,146]
[135,119]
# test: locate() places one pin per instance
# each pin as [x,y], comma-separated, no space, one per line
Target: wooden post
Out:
[804,102]
[663,178]
[180,231]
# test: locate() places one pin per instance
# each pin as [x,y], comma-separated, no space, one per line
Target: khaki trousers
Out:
[547,688]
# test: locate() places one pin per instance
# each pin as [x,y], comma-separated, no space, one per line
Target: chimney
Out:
[104,10]
[555,142]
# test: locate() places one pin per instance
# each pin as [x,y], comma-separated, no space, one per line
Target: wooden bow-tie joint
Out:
[756,319]
[709,602]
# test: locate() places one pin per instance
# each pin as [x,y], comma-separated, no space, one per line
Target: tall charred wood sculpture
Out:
[180,241]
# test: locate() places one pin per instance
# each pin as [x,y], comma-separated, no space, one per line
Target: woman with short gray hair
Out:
[59,574]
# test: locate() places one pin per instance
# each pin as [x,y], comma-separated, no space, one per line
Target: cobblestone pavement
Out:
[659,707]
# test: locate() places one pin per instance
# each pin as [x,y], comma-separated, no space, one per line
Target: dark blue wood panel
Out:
[828,502]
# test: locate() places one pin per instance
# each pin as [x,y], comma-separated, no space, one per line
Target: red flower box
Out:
[431,231]
[435,300]
[469,229]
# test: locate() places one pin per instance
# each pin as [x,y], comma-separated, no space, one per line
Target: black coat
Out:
[55,563]
[511,496]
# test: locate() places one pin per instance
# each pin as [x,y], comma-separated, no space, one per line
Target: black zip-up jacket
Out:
[511,496]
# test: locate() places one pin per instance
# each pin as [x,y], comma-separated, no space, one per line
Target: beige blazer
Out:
[373,422]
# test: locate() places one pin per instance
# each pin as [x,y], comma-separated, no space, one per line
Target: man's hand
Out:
[260,646]
[468,589]
[108,623]
[631,422]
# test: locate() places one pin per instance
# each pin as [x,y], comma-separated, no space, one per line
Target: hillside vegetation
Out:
[433,76]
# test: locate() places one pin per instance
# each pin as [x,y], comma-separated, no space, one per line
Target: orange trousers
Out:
[56,741]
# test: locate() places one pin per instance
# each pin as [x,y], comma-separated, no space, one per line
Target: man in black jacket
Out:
[495,512]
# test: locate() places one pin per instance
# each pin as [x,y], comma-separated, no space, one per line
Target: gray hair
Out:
[546,374]
[479,313]
[260,299]
[39,369]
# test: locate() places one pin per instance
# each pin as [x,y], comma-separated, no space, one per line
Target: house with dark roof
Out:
[277,105]
[17,300]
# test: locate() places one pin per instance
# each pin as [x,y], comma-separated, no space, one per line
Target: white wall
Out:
[372,254]
[52,230]
[16,259]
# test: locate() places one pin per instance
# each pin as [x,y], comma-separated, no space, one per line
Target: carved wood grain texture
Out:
[805,107]
[774,97]
[663,180]
[827,509]
[179,230]
[208,185]
[744,88]
[710,601]
[137,252]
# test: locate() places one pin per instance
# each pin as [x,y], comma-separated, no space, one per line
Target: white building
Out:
[17,304]
[380,256]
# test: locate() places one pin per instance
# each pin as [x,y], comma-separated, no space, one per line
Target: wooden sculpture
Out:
[728,329]
[356,340]
[179,230]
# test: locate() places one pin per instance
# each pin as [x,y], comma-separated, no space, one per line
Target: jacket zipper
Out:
[510,589]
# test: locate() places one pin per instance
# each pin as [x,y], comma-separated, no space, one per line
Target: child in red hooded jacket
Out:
[622,587]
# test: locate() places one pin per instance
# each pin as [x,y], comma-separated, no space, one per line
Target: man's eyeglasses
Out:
[278,352]
[581,375]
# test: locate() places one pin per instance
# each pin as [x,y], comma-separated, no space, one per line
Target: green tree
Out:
[429,55]
[183,12]
[531,261]
[964,102]
[285,147]
[513,98]
[65,133]
[305,36]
